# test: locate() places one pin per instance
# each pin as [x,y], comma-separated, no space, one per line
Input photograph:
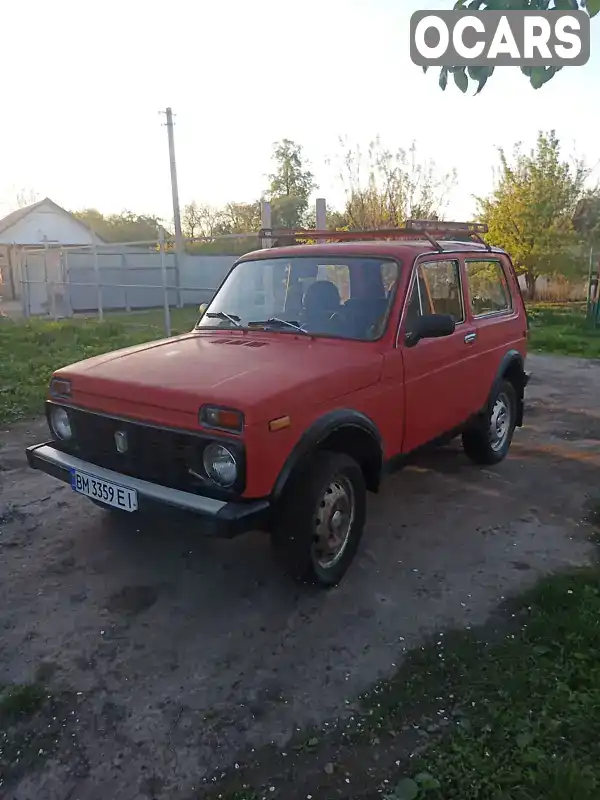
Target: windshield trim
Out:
[285,332]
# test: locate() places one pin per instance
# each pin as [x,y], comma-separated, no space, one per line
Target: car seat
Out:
[321,301]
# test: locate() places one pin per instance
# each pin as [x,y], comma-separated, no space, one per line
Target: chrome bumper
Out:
[223,518]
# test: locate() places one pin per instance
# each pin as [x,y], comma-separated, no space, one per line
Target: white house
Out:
[42,222]
[34,226]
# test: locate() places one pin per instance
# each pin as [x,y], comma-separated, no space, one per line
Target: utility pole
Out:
[174,189]
[176,212]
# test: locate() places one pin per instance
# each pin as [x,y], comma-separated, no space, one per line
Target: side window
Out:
[419,302]
[442,284]
[488,288]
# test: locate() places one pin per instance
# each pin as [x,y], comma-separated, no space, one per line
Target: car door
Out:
[494,317]
[437,395]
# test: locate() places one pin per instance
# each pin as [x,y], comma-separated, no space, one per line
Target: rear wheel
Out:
[489,440]
[320,520]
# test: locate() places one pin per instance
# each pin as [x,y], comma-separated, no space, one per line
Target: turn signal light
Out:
[279,424]
[60,388]
[225,419]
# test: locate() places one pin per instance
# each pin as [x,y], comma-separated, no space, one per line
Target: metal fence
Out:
[59,281]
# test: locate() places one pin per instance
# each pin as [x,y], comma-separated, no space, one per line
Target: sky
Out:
[84,83]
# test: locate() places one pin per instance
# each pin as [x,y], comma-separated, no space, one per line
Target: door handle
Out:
[470,337]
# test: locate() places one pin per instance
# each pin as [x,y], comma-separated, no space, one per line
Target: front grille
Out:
[157,455]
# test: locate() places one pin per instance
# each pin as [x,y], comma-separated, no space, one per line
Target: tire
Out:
[489,440]
[330,488]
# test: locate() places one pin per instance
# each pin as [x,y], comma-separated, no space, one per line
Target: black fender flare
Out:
[510,360]
[316,433]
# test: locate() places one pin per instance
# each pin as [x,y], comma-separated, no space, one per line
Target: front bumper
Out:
[220,518]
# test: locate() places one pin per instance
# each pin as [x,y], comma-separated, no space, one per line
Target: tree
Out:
[384,188]
[538,76]
[531,209]
[586,219]
[240,218]
[26,197]
[201,220]
[290,185]
[191,221]
[123,227]
[336,220]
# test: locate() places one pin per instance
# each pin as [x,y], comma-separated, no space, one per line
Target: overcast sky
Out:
[83,84]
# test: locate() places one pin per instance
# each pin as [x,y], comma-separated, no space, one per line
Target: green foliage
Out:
[586,219]
[562,329]
[538,76]
[31,351]
[289,191]
[522,711]
[530,212]
[384,188]
[20,701]
[529,730]
[240,218]
[204,221]
[123,227]
[414,789]
[207,223]
[290,185]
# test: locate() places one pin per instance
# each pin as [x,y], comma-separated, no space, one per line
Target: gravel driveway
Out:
[167,656]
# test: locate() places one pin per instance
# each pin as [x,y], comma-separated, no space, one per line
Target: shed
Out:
[33,226]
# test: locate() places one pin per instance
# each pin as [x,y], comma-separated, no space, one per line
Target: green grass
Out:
[510,711]
[31,351]
[20,701]
[528,726]
[562,328]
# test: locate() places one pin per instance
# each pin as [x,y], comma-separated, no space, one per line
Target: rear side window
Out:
[488,288]
[436,290]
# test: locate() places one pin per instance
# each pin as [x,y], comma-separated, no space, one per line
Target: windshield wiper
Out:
[276,321]
[222,315]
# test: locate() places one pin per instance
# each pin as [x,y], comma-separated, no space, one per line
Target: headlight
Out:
[220,465]
[60,423]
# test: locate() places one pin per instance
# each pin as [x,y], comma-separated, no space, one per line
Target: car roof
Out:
[404,249]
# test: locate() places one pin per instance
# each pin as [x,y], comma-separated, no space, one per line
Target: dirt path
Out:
[168,656]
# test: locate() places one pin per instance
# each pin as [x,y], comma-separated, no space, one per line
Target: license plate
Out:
[111,494]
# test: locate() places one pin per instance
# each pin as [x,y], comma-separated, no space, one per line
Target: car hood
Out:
[262,376]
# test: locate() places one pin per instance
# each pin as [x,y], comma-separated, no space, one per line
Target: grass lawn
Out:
[509,712]
[562,328]
[528,726]
[31,351]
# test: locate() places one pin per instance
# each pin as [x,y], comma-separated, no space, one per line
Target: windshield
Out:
[348,298]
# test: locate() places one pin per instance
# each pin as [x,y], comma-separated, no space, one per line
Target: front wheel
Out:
[321,519]
[489,440]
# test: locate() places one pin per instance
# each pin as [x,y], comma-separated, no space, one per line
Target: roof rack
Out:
[426,228]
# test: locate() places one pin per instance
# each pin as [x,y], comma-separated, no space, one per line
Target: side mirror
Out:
[430,326]
[202,309]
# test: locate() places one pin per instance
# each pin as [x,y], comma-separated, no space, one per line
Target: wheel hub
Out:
[333,523]
[500,422]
